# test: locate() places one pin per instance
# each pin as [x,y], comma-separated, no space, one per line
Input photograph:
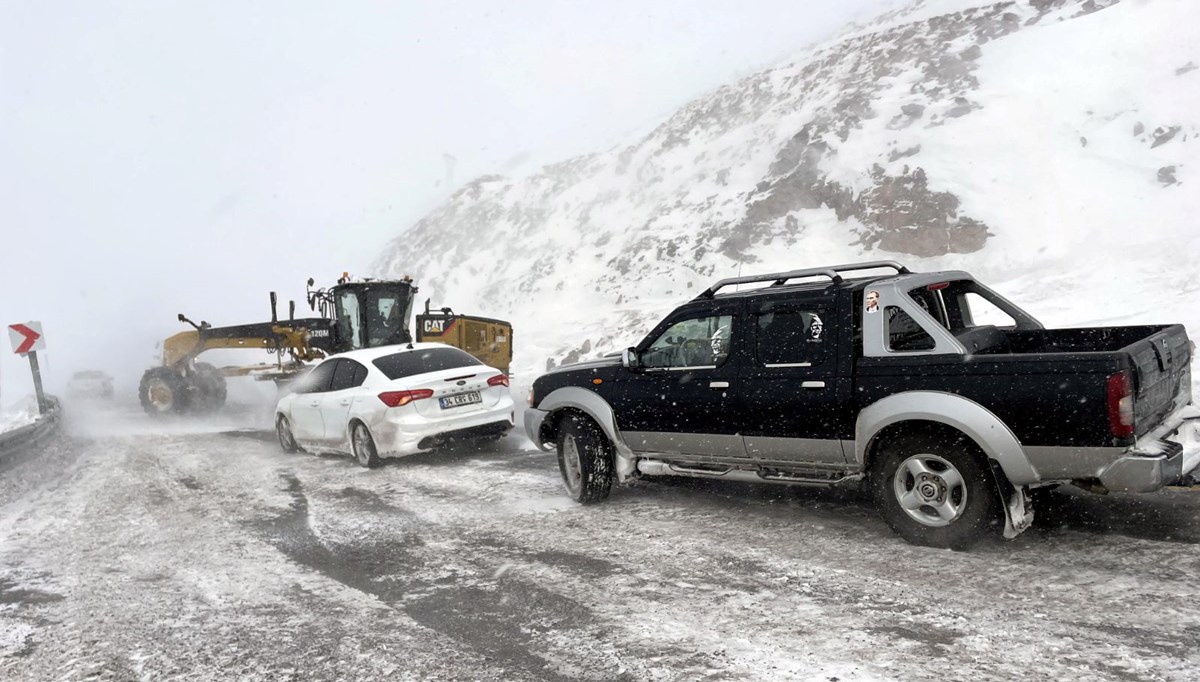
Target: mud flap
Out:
[1018,512]
[626,464]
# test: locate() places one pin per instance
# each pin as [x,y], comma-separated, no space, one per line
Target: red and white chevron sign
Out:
[26,337]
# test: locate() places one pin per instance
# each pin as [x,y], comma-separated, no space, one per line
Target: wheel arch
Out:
[568,399]
[575,400]
[935,412]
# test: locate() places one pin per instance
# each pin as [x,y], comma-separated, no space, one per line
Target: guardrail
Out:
[32,435]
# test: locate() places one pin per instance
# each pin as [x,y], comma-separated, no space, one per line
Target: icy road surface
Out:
[131,550]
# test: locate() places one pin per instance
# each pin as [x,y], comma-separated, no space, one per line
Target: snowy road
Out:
[127,552]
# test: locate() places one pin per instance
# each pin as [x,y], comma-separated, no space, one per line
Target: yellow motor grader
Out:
[353,314]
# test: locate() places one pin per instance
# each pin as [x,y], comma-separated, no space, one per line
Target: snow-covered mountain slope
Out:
[1051,147]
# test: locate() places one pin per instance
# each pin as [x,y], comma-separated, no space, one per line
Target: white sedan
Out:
[394,401]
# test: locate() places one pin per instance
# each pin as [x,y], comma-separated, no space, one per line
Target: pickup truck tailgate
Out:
[1162,375]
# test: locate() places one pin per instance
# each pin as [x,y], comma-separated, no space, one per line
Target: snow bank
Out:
[16,416]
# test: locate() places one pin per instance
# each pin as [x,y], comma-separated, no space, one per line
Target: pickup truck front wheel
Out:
[936,493]
[585,459]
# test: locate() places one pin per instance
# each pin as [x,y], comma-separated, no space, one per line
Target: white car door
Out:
[307,424]
[335,404]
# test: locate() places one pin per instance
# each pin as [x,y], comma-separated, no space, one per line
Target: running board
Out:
[653,467]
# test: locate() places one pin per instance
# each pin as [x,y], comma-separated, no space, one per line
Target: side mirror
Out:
[630,359]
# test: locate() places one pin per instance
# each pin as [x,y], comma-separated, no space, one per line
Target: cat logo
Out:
[435,327]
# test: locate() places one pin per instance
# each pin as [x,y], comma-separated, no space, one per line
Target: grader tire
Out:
[210,387]
[164,391]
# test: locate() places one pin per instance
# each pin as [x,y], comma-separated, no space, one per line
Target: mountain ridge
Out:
[876,143]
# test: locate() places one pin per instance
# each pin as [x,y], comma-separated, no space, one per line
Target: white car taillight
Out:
[402,398]
[498,380]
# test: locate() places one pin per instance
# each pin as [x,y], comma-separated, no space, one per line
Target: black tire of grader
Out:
[210,387]
[164,391]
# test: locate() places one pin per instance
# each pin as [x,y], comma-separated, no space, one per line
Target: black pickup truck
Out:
[945,399]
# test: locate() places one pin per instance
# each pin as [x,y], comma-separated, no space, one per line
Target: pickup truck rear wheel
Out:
[585,459]
[936,493]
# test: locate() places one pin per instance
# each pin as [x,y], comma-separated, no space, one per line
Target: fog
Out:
[165,158]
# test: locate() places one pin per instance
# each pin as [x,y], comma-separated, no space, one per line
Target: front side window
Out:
[695,342]
[793,338]
[317,380]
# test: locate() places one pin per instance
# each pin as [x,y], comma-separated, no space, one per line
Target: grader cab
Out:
[352,315]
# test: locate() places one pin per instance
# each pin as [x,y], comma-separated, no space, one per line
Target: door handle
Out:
[718,384]
[344,402]
[813,384]
[314,403]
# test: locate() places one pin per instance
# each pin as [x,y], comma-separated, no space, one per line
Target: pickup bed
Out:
[946,400]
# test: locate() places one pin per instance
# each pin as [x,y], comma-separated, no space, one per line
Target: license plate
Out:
[460,400]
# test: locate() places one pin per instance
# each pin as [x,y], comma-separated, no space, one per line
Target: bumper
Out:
[533,426]
[408,437]
[1168,456]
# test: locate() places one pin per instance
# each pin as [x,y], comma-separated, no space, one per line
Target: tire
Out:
[363,446]
[585,460]
[936,493]
[164,391]
[210,387]
[283,429]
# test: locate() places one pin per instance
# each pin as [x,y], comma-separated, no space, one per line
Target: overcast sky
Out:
[162,157]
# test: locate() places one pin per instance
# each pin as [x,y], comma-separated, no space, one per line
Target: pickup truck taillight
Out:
[1120,404]
[402,398]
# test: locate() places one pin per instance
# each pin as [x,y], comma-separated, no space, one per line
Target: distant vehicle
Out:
[394,401]
[90,384]
[946,400]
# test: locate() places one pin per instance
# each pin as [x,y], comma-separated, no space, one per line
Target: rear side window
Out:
[400,365]
[346,374]
[794,338]
[904,333]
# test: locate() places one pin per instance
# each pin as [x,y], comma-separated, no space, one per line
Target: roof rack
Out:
[780,278]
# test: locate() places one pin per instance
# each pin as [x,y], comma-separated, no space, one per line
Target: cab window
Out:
[694,342]
[349,320]
[385,326]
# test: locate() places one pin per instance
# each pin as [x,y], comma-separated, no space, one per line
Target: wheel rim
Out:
[572,469]
[930,490]
[160,394]
[362,445]
[285,433]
